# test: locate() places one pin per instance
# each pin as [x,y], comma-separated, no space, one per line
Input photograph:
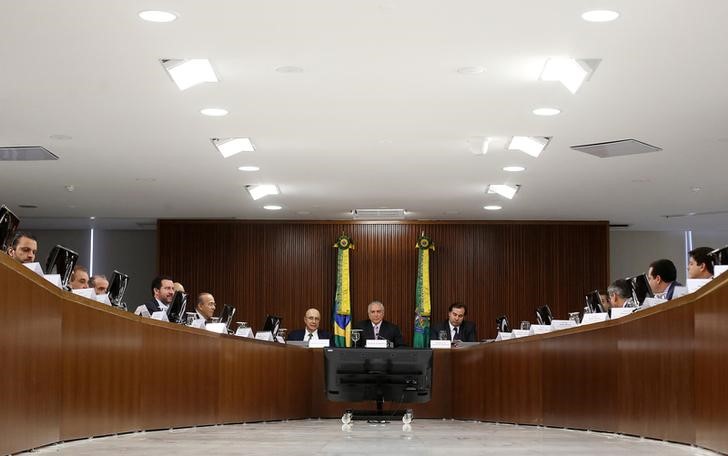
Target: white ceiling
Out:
[380,117]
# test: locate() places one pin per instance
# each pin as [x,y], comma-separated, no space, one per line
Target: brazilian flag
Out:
[342,301]
[423,305]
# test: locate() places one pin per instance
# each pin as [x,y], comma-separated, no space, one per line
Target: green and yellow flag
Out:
[342,301]
[423,305]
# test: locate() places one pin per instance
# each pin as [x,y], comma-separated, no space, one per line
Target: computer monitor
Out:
[272,324]
[117,287]
[61,260]
[502,324]
[543,315]
[640,288]
[8,226]
[176,311]
[360,374]
[720,256]
[594,302]
[227,314]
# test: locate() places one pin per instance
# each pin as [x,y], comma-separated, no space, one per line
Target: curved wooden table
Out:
[73,368]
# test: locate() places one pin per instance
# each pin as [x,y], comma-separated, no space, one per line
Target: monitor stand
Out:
[378,416]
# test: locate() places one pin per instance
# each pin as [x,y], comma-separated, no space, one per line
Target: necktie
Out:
[457,334]
[310,336]
[376,331]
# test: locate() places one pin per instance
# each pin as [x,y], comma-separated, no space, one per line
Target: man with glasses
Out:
[312,319]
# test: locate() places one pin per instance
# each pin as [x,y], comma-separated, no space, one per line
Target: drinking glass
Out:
[442,335]
[191,317]
[525,325]
[355,337]
[574,316]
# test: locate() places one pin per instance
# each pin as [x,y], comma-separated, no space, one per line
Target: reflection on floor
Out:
[330,437]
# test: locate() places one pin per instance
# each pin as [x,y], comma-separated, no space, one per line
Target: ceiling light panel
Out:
[231,146]
[214,112]
[157,16]
[569,72]
[532,145]
[492,207]
[248,168]
[600,16]
[189,73]
[260,191]
[547,112]
[506,191]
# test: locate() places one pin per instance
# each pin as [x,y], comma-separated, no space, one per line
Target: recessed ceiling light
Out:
[273,207]
[157,16]
[471,70]
[514,169]
[492,208]
[570,72]
[600,16]
[214,112]
[546,111]
[259,191]
[506,191]
[188,73]
[231,146]
[532,145]
[289,69]
[249,169]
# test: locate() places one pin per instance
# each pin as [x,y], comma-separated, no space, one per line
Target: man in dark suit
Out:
[456,327]
[312,319]
[379,328]
[662,275]
[162,296]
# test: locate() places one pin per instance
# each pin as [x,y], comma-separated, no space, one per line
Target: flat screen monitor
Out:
[272,324]
[543,315]
[594,302]
[176,310]
[720,256]
[502,324]
[61,261]
[640,288]
[360,374]
[8,226]
[227,314]
[117,287]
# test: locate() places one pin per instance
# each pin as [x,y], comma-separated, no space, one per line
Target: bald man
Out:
[312,319]
[205,307]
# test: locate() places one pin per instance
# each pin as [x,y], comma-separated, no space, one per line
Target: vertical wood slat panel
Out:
[284,268]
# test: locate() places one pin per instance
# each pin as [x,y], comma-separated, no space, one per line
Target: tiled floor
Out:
[330,437]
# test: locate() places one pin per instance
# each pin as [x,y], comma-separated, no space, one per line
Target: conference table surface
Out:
[75,368]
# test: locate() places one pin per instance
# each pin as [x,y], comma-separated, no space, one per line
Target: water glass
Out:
[442,335]
[525,325]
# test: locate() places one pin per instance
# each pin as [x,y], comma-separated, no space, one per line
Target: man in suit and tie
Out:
[312,319]
[456,327]
[205,307]
[23,248]
[379,328]
[661,276]
[162,296]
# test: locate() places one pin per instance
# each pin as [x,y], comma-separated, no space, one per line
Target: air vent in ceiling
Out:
[379,214]
[25,153]
[617,148]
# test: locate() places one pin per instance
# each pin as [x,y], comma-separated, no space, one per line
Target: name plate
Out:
[319,343]
[504,336]
[245,332]
[35,267]
[719,269]
[198,323]
[89,293]
[376,343]
[440,344]
[142,311]
[264,335]
[55,279]
[594,318]
[696,284]
[619,312]
[649,302]
[103,299]
[160,315]
[557,325]
[680,291]
[539,329]
[219,328]
[520,333]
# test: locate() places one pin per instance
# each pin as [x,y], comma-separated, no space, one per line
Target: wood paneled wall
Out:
[285,267]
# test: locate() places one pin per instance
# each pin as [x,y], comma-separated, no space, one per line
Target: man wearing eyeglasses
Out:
[312,319]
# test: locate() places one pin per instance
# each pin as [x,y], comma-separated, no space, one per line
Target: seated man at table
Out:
[99,283]
[79,278]
[700,263]
[662,275]
[455,327]
[23,248]
[620,294]
[162,296]
[205,307]
[312,319]
[379,328]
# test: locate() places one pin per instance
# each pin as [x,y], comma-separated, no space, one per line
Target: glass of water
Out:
[191,317]
[442,335]
[525,325]
[355,334]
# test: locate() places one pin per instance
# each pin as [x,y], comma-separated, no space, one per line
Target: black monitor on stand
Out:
[502,324]
[8,226]
[640,288]
[543,315]
[594,302]
[117,287]
[720,256]
[61,261]
[227,314]
[176,311]
[360,374]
